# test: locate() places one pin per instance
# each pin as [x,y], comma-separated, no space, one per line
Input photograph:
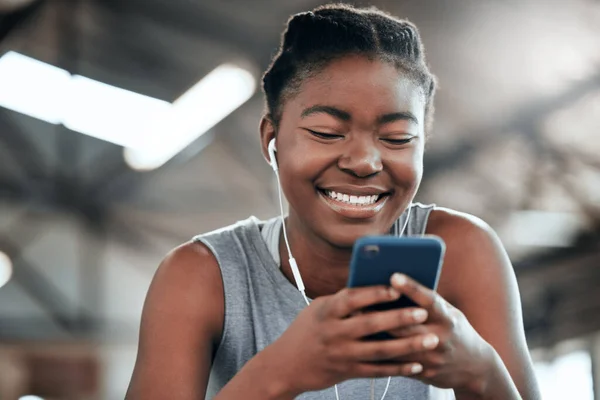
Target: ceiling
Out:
[515,127]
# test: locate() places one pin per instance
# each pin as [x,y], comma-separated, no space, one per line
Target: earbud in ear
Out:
[272,160]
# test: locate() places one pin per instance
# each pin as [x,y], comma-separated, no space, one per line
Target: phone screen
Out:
[376,258]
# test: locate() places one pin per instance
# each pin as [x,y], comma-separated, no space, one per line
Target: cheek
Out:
[297,174]
[407,170]
[302,160]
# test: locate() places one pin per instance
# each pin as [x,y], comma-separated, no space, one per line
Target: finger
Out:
[429,359]
[366,324]
[420,294]
[370,370]
[413,330]
[350,300]
[382,350]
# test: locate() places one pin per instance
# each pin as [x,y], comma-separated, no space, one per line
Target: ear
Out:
[267,132]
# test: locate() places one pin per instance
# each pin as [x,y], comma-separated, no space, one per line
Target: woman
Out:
[349,98]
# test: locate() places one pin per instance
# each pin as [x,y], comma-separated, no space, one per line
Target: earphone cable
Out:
[292,260]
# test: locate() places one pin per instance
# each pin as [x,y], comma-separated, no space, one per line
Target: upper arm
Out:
[479,280]
[181,323]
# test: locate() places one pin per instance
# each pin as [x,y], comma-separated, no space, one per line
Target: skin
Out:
[473,326]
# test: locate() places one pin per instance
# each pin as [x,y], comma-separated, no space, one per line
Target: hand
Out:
[323,346]
[461,358]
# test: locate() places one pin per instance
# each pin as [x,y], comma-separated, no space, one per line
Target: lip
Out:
[355,211]
[356,190]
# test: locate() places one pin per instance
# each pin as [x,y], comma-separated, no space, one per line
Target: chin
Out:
[344,235]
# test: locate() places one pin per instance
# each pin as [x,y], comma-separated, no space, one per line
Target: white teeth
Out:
[351,199]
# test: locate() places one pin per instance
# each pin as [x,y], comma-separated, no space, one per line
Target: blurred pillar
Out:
[14,377]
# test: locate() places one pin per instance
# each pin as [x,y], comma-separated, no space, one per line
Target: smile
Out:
[352,199]
[354,205]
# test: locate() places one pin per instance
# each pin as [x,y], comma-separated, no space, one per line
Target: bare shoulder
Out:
[182,322]
[474,253]
[189,278]
[189,264]
[448,222]
[478,279]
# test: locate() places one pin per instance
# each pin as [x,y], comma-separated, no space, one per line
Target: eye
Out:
[326,136]
[399,141]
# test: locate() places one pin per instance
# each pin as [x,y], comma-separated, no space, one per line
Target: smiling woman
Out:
[349,103]
[327,122]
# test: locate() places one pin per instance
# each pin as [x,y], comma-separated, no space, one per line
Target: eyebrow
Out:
[345,116]
[320,109]
[397,116]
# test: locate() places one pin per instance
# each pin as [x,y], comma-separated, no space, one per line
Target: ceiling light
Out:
[203,106]
[151,130]
[109,113]
[93,108]
[6,269]
[31,87]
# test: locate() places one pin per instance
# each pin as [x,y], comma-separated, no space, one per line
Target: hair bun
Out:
[296,25]
[303,18]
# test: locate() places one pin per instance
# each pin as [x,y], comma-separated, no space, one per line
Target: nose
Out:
[361,158]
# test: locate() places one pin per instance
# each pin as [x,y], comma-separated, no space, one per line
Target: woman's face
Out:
[350,149]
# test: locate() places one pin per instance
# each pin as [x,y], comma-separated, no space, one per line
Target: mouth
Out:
[354,199]
[364,203]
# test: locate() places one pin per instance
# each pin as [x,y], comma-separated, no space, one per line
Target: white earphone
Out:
[272,160]
[297,277]
[272,149]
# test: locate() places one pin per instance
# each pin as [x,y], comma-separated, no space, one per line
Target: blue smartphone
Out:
[376,258]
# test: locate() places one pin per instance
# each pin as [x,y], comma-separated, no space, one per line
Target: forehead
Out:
[362,87]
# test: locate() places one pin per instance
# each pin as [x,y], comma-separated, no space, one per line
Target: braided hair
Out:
[314,39]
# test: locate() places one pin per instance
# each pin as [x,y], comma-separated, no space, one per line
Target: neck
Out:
[324,267]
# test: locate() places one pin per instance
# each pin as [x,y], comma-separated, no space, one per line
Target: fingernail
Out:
[419,315]
[430,341]
[399,279]
[394,294]
[416,368]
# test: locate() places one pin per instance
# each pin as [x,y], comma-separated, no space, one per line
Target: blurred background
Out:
[111,154]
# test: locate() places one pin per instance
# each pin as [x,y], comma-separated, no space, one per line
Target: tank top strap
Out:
[417,220]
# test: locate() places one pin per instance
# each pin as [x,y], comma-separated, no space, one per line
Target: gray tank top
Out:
[260,303]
